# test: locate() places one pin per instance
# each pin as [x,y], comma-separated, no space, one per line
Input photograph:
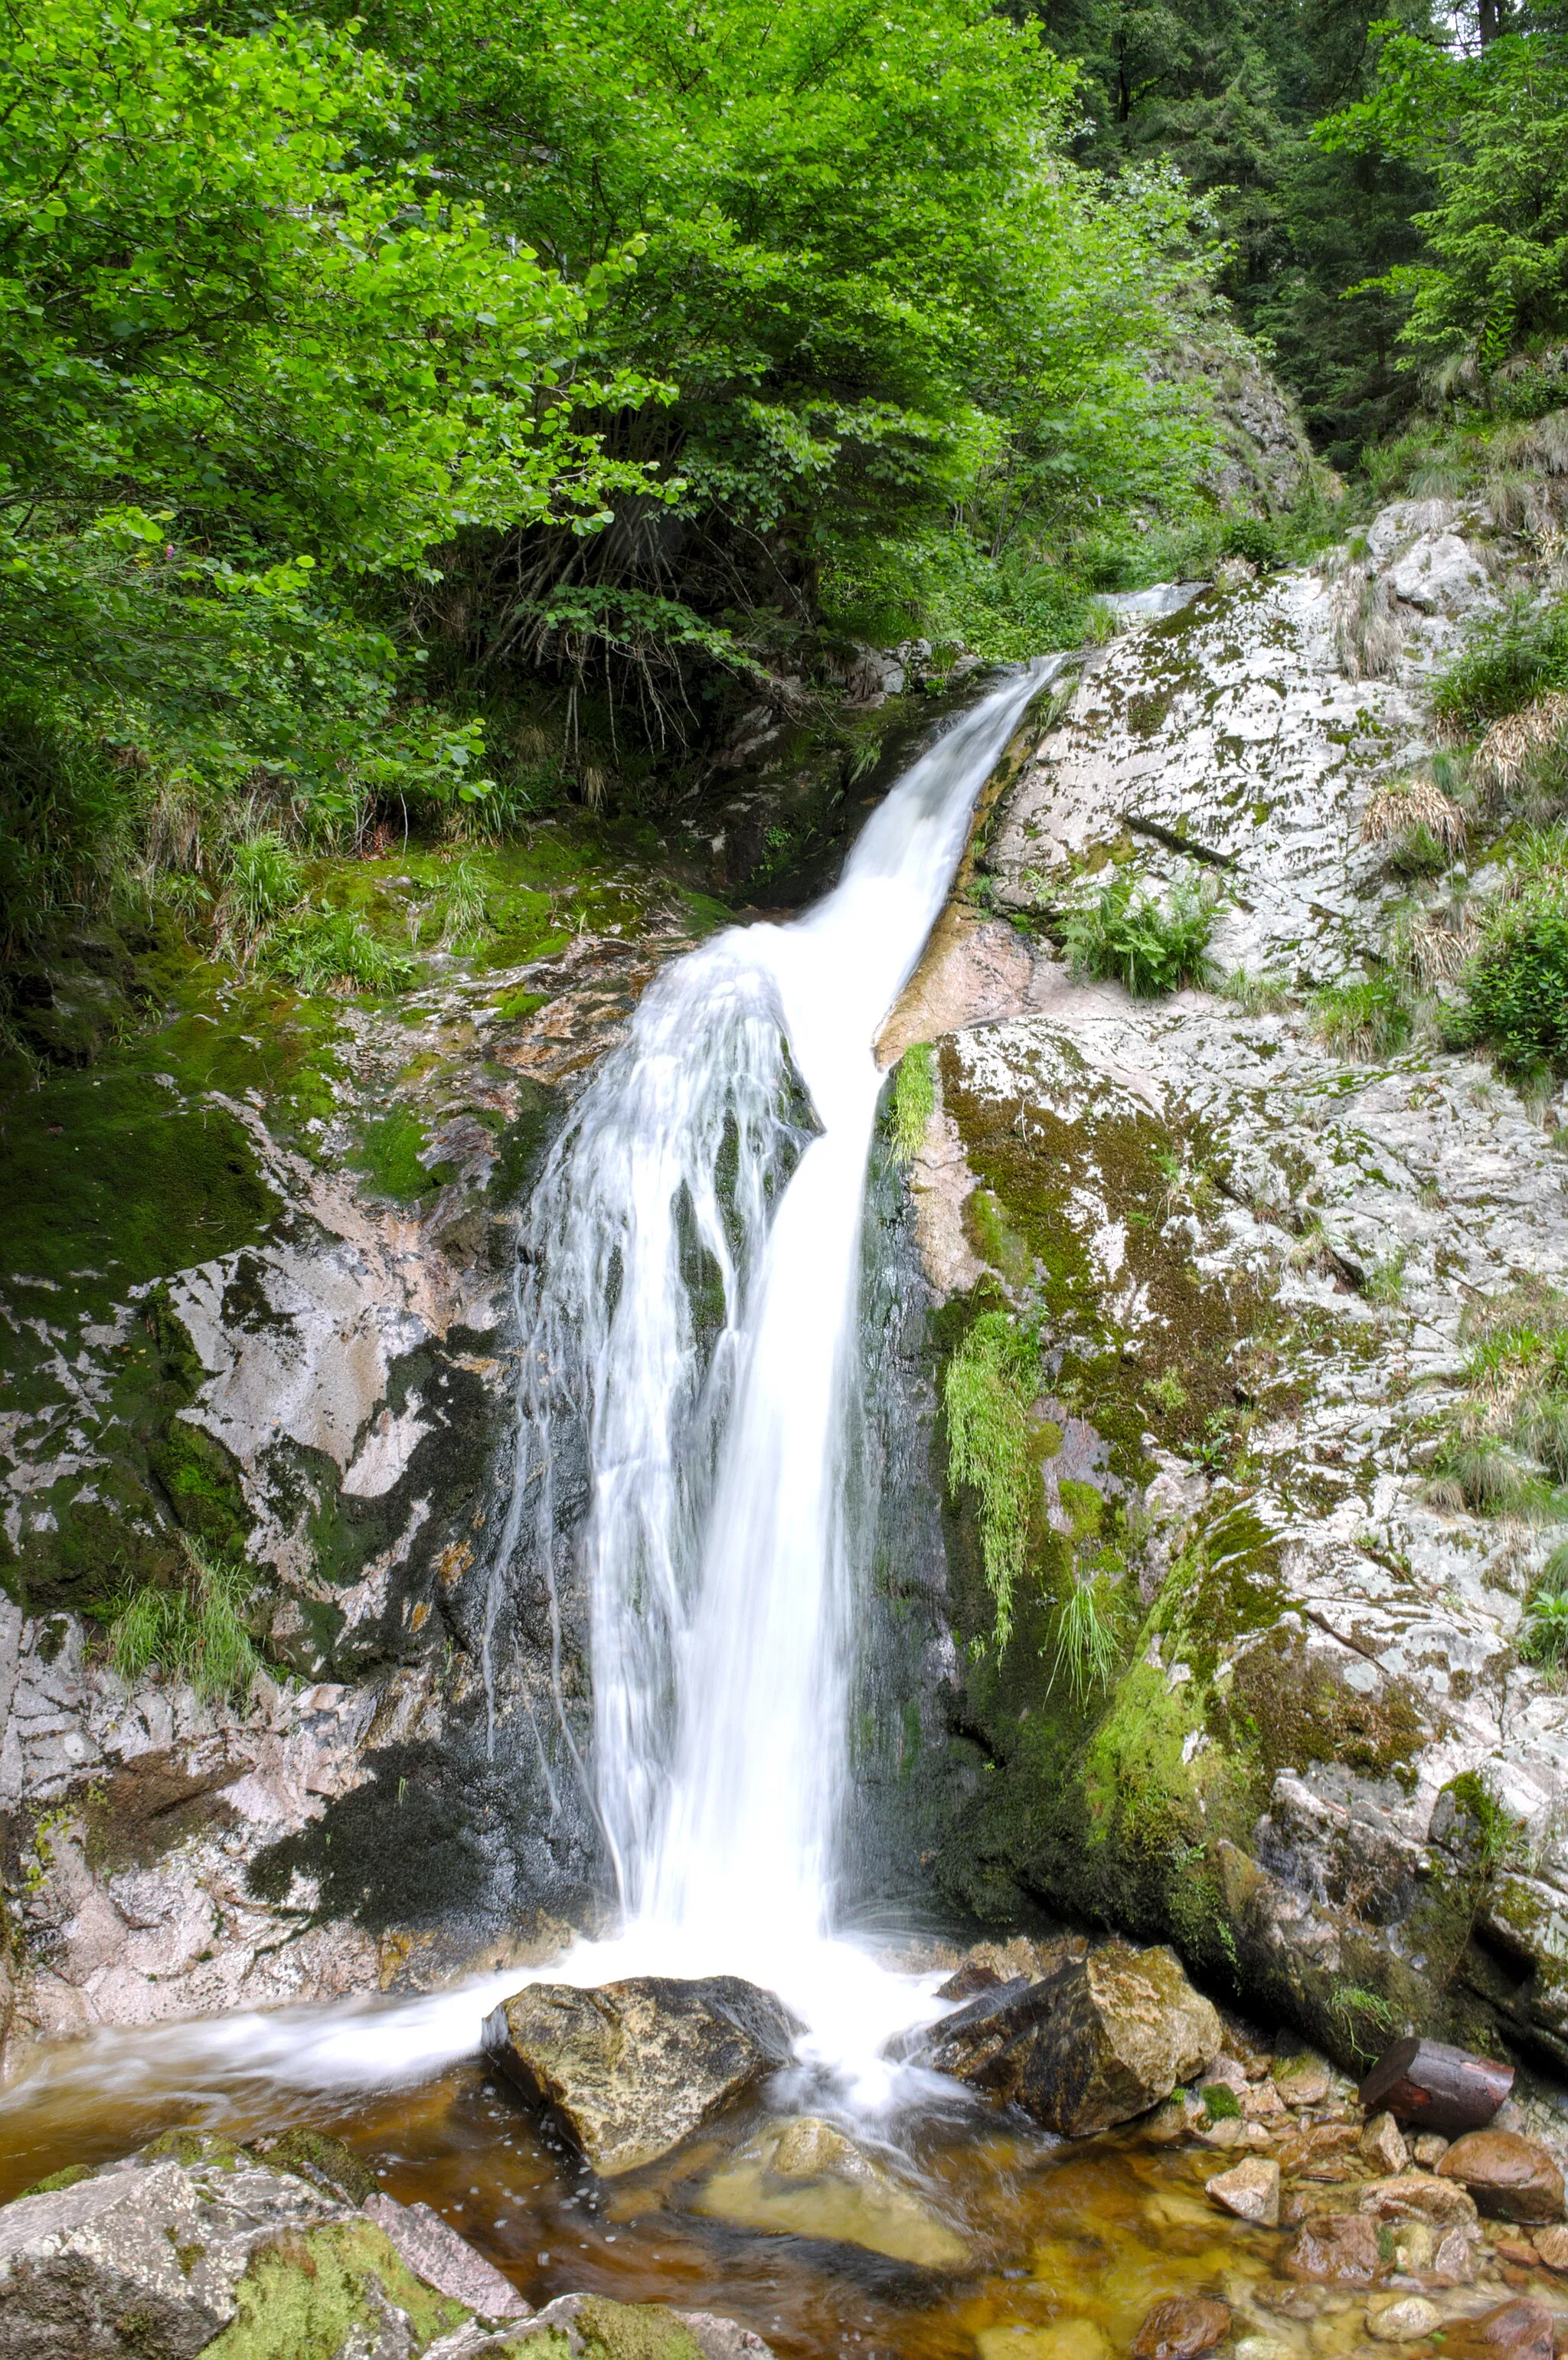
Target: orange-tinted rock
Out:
[1342,2249]
[1180,2328]
[1512,2177]
[1520,2329]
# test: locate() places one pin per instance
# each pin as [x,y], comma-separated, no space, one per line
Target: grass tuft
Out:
[332,950]
[1086,1644]
[914,1101]
[989,1384]
[194,1633]
[1366,1019]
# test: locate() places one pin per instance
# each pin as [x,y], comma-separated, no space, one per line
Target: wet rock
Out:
[1551,2244]
[1382,2144]
[1429,2149]
[1418,2195]
[1065,2339]
[633,2068]
[435,2253]
[1252,2190]
[1302,2085]
[1415,2241]
[973,1977]
[1342,2249]
[1521,2329]
[594,2328]
[1101,2039]
[1404,2320]
[1512,2177]
[806,2178]
[1180,2328]
[1454,2257]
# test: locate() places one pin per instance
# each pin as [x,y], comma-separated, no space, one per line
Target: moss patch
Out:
[622,2330]
[304,2296]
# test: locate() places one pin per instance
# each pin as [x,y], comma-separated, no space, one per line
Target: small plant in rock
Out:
[1508,662]
[914,1101]
[466,923]
[1515,988]
[1366,1019]
[1126,936]
[1511,745]
[1168,1393]
[1386,1279]
[1086,1638]
[1255,992]
[195,1632]
[1543,1634]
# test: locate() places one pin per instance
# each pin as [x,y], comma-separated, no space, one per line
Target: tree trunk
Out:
[1434,2088]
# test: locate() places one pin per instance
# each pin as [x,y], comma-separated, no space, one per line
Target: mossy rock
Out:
[623,2331]
[327,2163]
[306,2293]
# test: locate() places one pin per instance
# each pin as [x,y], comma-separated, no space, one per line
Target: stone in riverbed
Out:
[1551,2244]
[594,2328]
[1251,2192]
[1418,2195]
[1520,2331]
[1103,2039]
[1181,2328]
[1404,2320]
[434,2252]
[634,2067]
[1383,2144]
[805,2178]
[1511,2178]
[1341,2248]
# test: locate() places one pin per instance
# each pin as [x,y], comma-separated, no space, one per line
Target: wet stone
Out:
[1252,2190]
[1429,2149]
[1551,2244]
[806,2178]
[1511,2178]
[634,2067]
[1415,2195]
[1404,2320]
[1302,2085]
[1341,2249]
[1180,2328]
[1521,2329]
[1382,2144]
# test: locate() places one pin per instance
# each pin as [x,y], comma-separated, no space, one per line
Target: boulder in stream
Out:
[806,2178]
[632,2068]
[1512,2177]
[1103,2039]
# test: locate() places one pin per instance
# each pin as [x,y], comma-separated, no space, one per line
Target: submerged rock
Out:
[1180,2328]
[591,2327]
[1104,2037]
[1521,2329]
[1341,2248]
[806,2178]
[633,2068]
[1512,2177]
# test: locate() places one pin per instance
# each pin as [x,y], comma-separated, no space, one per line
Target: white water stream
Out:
[692,1268]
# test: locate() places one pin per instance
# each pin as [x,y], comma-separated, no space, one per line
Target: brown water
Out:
[1093,2232]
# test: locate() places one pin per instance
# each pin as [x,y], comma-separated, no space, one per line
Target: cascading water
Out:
[693,1260]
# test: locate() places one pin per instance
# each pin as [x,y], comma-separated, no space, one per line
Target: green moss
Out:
[202,1480]
[1084,1507]
[1220,2101]
[389,1153]
[990,1382]
[621,2330]
[519,1004]
[326,2162]
[58,2180]
[304,2295]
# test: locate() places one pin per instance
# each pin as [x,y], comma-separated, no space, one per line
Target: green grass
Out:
[1507,659]
[1367,1020]
[1256,993]
[1126,935]
[264,880]
[466,925]
[914,1101]
[196,1632]
[986,1392]
[1386,1279]
[320,950]
[1086,1641]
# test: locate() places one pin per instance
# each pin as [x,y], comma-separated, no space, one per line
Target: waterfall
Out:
[691,1266]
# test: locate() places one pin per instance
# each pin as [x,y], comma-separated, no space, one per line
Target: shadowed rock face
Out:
[633,2068]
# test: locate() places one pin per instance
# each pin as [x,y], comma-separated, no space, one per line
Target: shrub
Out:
[914,1101]
[1507,660]
[1366,1019]
[324,949]
[194,1633]
[1126,937]
[1254,539]
[989,1384]
[1516,988]
[1543,1635]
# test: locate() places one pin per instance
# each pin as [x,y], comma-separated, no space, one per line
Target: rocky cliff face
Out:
[1314,1755]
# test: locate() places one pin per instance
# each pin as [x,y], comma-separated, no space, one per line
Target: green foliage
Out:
[990,1383]
[195,1632]
[1368,1019]
[1087,1642]
[1507,659]
[264,880]
[1515,989]
[306,2295]
[1543,1635]
[323,950]
[1126,935]
[914,1101]
[1492,130]
[1506,1449]
[1253,538]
